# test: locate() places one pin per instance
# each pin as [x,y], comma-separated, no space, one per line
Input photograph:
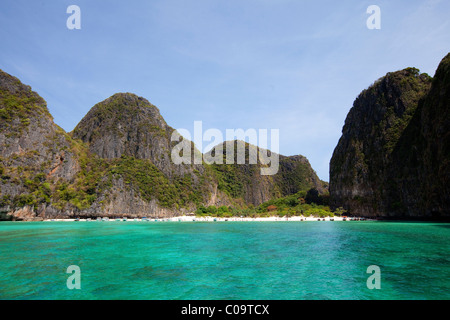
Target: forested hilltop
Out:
[392,160]
[116,162]
[393,157]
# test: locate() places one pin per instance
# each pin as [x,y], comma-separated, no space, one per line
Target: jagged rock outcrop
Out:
[296,174]
[129,134]
[28,136]
[117,162]
[128,125]
[34,152]
[245,181]
[419,184]
[47,173]
[392,158]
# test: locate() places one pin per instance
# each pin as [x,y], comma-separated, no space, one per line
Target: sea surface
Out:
[224,260]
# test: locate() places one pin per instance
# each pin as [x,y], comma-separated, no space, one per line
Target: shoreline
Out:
[211,219]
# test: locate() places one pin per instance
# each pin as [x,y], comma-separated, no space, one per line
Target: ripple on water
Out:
[252,260]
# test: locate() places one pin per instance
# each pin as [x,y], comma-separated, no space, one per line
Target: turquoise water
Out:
[224,260]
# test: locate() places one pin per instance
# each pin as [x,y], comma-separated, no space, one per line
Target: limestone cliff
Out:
[117,162]
[392,158]
[246,183]
[34,152]
[128,125]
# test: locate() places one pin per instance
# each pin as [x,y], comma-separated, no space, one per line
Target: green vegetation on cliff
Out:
[18,103]
[117,160]
[96,177]
[244,181]
[303,203]
[151,183]
[382,164]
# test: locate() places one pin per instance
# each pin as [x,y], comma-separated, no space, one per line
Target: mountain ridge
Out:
[113,163]
[392,158]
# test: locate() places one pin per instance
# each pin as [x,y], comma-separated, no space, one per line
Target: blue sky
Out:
[291,65]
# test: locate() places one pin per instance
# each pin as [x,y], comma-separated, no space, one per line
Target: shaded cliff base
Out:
[413,219]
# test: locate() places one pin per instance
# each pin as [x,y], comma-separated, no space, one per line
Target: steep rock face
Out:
[131,138]
[128,125]
[296,174]
[34,152]
[393,148]
[246,183]
[123,168]
[117,162]
[419,183]
[28,136]
[435,128]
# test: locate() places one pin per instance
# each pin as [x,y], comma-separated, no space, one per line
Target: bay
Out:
[225,260]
